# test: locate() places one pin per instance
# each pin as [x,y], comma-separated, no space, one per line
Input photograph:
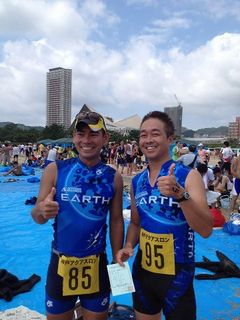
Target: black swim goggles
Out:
[93,119]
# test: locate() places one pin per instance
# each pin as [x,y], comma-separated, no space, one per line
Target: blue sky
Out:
[127,57]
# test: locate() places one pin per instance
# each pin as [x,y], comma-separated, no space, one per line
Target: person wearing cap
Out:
[168,204]
[202,153]
[77,194]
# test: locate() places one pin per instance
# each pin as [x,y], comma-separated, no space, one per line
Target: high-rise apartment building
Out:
[59,96]
[175,113]
[234,130]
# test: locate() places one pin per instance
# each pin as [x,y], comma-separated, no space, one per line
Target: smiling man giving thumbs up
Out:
[79,195]
[168,205]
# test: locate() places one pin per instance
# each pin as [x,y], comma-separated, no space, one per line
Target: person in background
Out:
[112,152]
[235,171]
[168,203]
[184,149]
[191,158]
[52,155]
[6,157]
[121,156]
[208,154]
[129,156]
[104,154]
[226,155]
[15,152]
[28,151]
[221,183]
[71,152]
[77,195]
[176,150]
[207,175]
[16,170]
[202,153]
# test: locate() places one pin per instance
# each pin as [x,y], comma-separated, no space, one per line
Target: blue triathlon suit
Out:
[84,196]
[237,185]
[160,215]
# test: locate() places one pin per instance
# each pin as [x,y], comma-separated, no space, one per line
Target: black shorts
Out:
[174,295]
[121,161]
[56,303]
[129,158]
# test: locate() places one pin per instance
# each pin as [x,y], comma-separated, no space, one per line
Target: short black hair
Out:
[202,167]
[164,117]
[216,170]
[192,148]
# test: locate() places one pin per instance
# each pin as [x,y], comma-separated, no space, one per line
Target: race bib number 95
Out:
[157,252]
[80,275]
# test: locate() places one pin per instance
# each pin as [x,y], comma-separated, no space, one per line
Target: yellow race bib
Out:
[80,275]
[157,252]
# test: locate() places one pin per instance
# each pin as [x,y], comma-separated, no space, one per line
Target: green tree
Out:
[54,131]
[116,136]
[133,135]
[234,143]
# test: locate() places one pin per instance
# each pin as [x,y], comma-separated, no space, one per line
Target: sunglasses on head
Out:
[93,116]
[93,119]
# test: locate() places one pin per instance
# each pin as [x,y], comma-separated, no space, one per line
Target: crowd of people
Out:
[222,177]
[126,156]
[35,155]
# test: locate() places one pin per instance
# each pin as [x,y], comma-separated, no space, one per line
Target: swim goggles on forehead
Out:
[93,119]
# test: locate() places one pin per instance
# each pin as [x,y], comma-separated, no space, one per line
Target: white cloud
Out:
[140,76]
[172,23]
[59,21]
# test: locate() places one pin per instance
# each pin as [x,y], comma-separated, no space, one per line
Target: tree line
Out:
[13,133]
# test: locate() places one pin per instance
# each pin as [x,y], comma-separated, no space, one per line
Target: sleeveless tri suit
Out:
[79,239]
[164,264]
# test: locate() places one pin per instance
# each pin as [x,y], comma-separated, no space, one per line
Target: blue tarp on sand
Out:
[25,249]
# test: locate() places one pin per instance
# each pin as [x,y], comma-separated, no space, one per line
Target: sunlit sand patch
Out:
[21,313]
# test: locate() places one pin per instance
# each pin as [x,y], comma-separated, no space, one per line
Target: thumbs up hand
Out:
[49,208]
[171,169]
[168,185]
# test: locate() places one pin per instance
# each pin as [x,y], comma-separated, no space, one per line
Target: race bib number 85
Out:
[80,275]
[157,252]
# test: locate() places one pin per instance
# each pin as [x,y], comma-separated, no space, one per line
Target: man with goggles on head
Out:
[78,193]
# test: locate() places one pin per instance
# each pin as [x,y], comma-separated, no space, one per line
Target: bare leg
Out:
[86,315]
[63,316]
[233,202]
[142,316]
[90,315]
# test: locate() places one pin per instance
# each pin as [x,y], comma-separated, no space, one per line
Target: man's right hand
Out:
[123,255]
[48,207]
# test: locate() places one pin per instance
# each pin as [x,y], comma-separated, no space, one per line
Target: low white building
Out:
[123,126]
[130,123]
